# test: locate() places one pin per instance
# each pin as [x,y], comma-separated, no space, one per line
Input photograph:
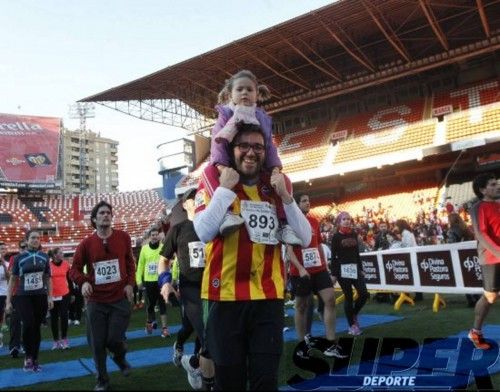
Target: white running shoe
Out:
[194,375]
[230,223]
[177,355]
[354,330]
[334,351]
[64,344]
[286,235]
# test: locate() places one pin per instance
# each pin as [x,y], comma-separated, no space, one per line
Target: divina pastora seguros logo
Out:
[396,364]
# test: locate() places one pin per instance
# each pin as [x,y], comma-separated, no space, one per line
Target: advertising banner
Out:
[29,151]
[448,268]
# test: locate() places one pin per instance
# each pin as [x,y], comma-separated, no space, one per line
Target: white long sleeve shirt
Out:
[207,222]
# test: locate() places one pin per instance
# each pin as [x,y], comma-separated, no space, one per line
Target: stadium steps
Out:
[36,211]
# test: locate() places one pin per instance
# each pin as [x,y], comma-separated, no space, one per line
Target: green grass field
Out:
[419,322]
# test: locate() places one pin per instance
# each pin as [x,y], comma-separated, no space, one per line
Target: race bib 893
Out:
[261,221]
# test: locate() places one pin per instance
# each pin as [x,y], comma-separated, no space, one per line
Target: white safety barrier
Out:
[448,268]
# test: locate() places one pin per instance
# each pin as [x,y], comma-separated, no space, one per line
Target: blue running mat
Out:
[142,358]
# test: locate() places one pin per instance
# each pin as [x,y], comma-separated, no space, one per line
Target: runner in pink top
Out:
[61,296]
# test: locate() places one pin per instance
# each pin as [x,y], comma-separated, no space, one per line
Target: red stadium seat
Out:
[139,207]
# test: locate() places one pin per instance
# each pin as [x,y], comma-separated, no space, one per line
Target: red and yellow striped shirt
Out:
[236,269]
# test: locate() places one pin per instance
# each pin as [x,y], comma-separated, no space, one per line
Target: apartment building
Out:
[89,162]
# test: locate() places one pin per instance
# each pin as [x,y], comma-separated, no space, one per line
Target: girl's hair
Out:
[263,92]
[455,220]
[402,224]
[52,253]
[342,215]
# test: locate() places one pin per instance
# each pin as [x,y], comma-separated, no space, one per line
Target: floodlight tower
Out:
[82,111]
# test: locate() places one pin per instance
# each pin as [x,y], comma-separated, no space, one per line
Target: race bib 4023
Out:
[107,271]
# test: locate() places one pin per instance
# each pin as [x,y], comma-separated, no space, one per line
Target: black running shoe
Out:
[123,365]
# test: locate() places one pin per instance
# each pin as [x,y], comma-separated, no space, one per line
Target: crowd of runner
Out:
[228,263]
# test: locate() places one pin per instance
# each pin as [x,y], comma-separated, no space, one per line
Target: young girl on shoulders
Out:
[238,101]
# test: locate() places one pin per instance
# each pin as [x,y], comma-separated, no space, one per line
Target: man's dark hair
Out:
[93,214]
[299,196]
[21,244]
[189,194]
[247,128]
[2,243]
[481,181]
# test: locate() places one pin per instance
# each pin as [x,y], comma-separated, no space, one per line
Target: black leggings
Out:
[60,311]
[137,295]
[153,297]
[15,326]
[32,309]
[352,309]
[2,307]
[75,307]
[192,314]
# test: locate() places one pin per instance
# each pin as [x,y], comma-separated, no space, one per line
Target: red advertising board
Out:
[29,151]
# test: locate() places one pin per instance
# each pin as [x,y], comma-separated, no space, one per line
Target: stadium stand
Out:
[467,97]
[385,130]
[458,194]
[134,212]
[395,130]
[475,109]
[393,204]
[304,149]
[390,130]
[472,122]
[397,139]
[390,117]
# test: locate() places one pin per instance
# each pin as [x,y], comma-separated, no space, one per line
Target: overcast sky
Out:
[54,53]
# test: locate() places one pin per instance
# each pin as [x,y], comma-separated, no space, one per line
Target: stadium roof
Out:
[339,48]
